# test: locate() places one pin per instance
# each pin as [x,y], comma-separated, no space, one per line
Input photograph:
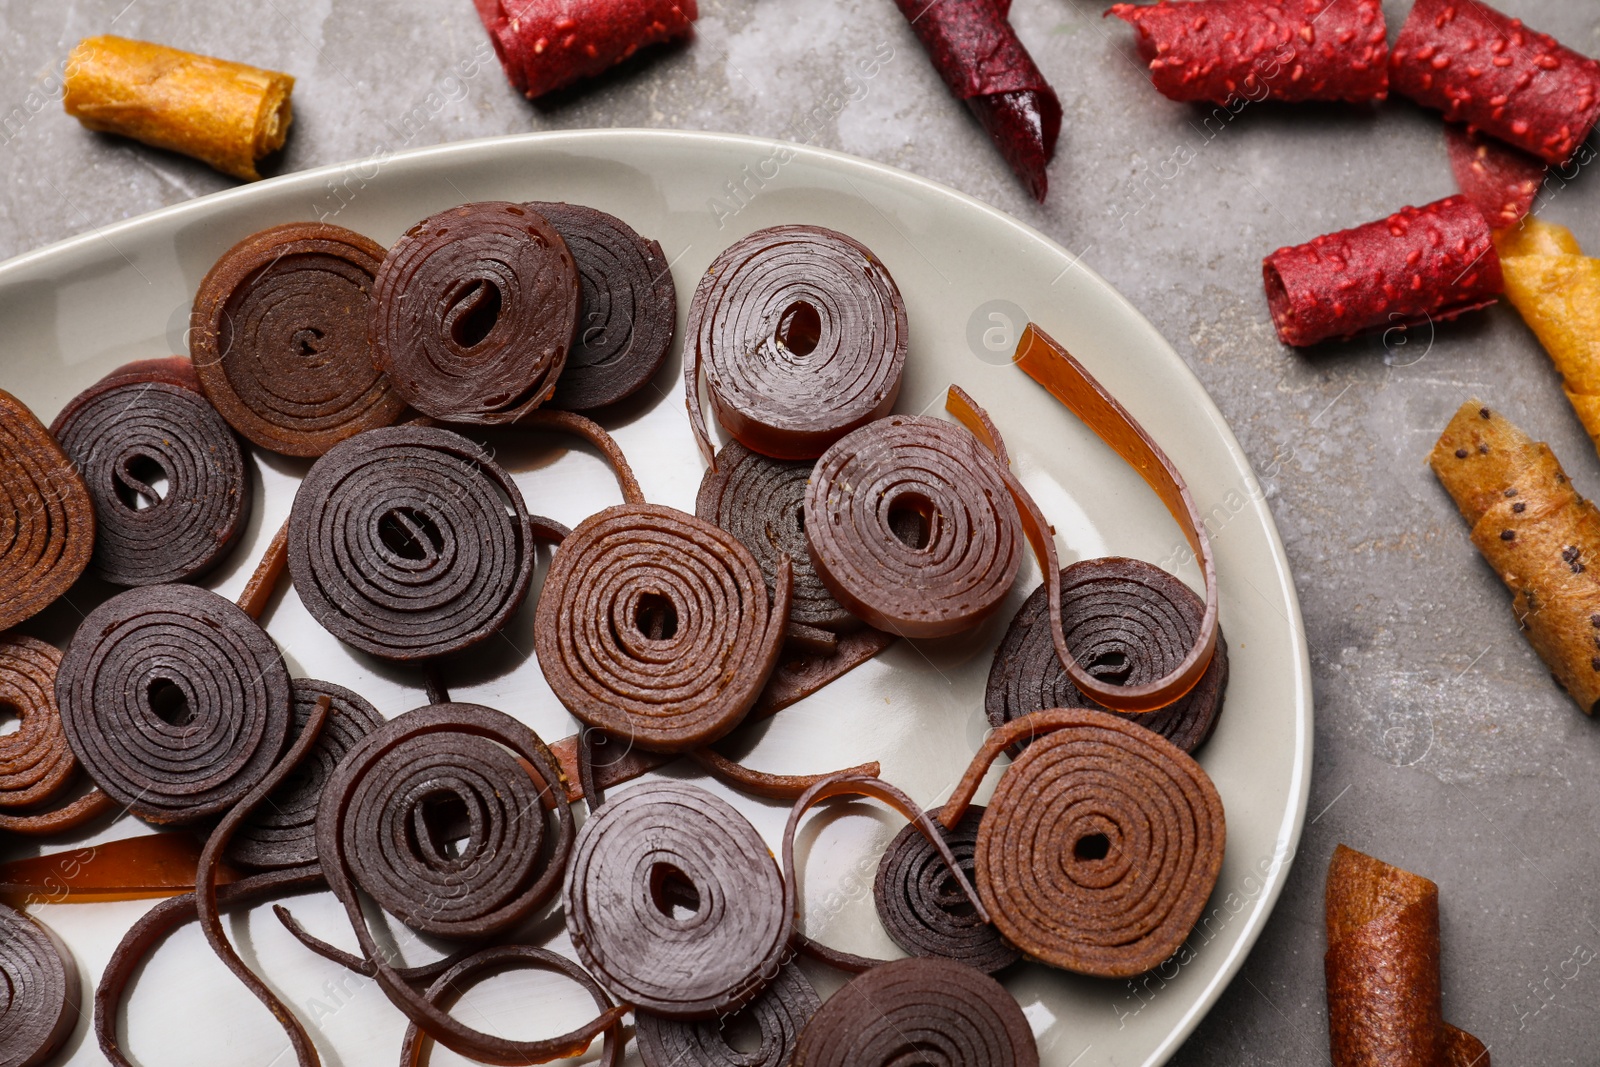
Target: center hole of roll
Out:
[410,534]
[444,816]
[10,718]
[1091,847]
[742,1033]
[473,313]
[305,342]
[656,617]
[1112,667]
[799,328]
[169,703]
[911,519]
[141,483]
[672,893]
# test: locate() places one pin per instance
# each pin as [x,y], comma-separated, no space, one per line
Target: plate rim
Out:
[1290,827]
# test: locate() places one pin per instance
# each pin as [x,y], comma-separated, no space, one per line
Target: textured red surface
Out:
[1421,264]
[980,58]
[1287,50]
[548,44]
[1500,180]
[1493,73]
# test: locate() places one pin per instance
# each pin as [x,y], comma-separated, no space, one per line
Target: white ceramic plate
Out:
[72,312]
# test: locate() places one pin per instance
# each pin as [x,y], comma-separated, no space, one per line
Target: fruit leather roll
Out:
[978,55]
[1422,264]
[1502,181]
[1537,533]
[1384,1004]
[545,45]
[1288,50]
[1486,69]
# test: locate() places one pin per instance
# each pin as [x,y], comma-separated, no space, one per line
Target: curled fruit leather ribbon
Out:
[802,334]
[982,62]
[923,907]
[175,702]
[911,527]
[1501,181]
[1100,845]
[1490,71]
[409,542]
[1427,264]
[279,338]
[674,902]
[1129,623]
[473,313]
[629,309]
[761,501]
[169,481]
[37,766]
[919,1010]
[779,1014]
[1229,51]
[545,45]
[46,517]
[388,823]
[42,991]
[281,832]
[1384,1004]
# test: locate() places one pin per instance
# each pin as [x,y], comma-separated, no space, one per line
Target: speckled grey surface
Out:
[1442,744]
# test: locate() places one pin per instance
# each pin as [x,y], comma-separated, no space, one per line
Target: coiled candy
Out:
[41,987]
[36,763]
[780,1013]
[46,517]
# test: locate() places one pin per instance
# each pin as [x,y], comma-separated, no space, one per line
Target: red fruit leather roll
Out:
[978,55]
[1502,181]
[1421,264]
[549,44]
[1490,71]
[1286,50]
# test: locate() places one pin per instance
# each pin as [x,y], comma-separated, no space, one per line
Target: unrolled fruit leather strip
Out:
[1427,264]
[545,45]
[982,62]
[37,766]
[1486,69]
[1382,963]
[1557,291]
[225,114]
[1225,51]
[1538,534]
[130,868]
[46,516]
[280,342]
[42,991]
[1501,181]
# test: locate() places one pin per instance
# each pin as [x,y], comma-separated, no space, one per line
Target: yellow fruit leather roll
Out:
[226,114]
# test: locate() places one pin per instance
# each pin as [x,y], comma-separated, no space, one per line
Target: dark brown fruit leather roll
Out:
[46,516]
[655,626]
[780,1013]
[279,336]
[911,526]
[629,309]
[473,313]
[1128,623]
[1100,845]
[1384,1004]
[42,989]
[931,1012]
[923,906]
[674,902]
[410,542]
[36,764]
[126,439]
[282,832]
[803,337]
[175,702]
[761,501]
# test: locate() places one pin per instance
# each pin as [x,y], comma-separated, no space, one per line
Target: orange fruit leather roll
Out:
[225,114]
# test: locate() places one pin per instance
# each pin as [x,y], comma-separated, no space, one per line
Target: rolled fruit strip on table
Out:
[1501,181]
[546,45]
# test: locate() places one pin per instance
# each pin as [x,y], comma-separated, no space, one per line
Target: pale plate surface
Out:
[72,312]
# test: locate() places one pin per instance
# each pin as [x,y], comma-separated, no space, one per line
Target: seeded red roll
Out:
[1286,50]
[1490,71]
[549,44]
[1502,181]
[980,58]
[1427,264]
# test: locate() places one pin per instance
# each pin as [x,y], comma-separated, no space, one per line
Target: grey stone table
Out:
[1441,743]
